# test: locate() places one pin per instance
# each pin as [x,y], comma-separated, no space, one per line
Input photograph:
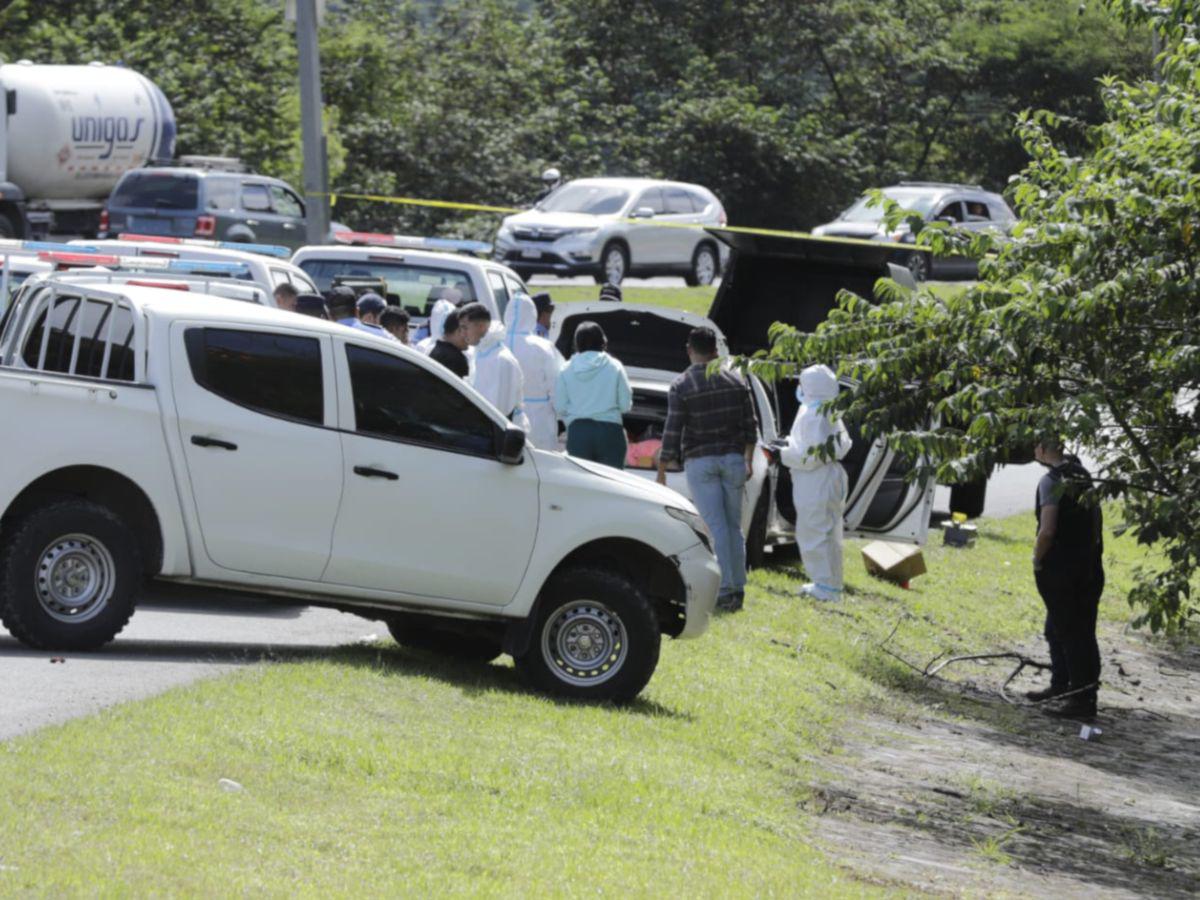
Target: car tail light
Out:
[104,220]
[206,226]
[722,219]
[167,285]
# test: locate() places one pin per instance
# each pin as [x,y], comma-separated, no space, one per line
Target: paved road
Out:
[664,281]
[167,643]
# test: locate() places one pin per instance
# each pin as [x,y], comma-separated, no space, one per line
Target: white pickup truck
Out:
[156,434]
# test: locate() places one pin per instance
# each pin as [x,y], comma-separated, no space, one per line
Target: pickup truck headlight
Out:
[694,522]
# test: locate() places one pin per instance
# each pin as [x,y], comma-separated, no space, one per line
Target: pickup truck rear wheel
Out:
[445,641]
[595,637]
[70,576]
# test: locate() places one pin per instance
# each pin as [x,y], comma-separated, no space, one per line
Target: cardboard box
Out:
[894,562]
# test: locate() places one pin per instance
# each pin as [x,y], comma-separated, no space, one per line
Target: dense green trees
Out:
[786,110]
[1086,325]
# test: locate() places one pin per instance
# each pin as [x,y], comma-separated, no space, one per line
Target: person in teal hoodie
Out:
[591,395]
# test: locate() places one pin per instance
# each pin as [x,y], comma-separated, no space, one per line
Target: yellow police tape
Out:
[511,210]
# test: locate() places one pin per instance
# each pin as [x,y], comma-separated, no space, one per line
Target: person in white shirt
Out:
[540,365]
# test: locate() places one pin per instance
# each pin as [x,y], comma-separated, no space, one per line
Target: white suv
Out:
[612,228]
[158,434]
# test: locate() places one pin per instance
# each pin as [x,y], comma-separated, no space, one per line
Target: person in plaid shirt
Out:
[711,427]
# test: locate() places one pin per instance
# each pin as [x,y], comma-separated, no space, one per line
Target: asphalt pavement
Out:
[169,641]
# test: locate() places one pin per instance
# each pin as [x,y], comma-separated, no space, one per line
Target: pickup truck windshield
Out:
[412,286]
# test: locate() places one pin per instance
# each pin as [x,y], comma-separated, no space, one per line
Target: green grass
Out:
[370,770]
[697,299]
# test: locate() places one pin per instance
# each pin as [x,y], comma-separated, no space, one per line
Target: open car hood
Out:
[793,280]
[651,338]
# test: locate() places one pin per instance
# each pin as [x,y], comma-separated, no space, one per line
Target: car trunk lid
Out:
[794,280]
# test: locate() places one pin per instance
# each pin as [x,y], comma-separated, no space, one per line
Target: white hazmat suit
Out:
[437,320]
[818,484]
[540,364]
[497,375]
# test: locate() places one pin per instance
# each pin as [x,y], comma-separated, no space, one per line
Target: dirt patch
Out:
[979,797]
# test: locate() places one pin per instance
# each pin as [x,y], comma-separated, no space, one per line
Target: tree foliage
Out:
[1085,325]
[786,110]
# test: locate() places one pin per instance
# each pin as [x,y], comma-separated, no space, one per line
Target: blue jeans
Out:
[716,484]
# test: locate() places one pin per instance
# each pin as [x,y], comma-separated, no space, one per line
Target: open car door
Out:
[774,279]
[882,503]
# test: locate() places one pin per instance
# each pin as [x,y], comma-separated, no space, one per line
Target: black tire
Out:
[7,228]
[600,606]
[461,643]
[605,276]
[71,550]
[756,539]
[968,499]
[706,266]
[920,264]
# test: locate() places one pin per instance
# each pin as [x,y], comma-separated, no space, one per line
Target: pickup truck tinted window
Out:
[94,333]
[395,399]
[275,374]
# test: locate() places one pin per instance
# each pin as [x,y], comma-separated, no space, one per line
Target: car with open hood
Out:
[651,343]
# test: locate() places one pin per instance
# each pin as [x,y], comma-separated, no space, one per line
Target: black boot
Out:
[1046,693]
[1078,706]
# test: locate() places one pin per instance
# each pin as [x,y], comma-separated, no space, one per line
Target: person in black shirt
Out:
[1069,568]
[450,350]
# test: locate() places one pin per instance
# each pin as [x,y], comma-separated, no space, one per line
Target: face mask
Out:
[799,394]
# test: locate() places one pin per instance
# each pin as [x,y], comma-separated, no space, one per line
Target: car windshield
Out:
[412,286]
[591,199]
[157,190]
[915,199]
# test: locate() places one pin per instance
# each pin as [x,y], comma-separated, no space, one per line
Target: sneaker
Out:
[1045,693]
[1078,707]
[730,602]
[816,592]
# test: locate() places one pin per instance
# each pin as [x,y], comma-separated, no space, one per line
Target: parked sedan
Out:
[966,207]
[611,228]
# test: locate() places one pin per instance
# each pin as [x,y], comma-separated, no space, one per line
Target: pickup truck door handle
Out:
[212,442]
[369,472]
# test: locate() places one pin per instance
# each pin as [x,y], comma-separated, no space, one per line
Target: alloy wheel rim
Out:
[918,266]
[614,266]
[584,643]
[706,267]
[74,578]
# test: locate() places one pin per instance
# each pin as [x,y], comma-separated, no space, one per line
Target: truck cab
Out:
[154,434]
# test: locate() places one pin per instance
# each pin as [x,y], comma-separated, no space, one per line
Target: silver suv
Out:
[611,228]
[967,207]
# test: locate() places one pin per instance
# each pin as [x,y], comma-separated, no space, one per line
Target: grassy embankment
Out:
[372,771]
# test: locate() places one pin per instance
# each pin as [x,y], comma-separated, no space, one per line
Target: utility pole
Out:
[316,170]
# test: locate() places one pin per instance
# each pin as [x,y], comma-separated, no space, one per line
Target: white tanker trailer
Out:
[67,135]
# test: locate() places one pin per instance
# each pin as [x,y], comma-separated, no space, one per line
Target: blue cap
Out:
[371,303]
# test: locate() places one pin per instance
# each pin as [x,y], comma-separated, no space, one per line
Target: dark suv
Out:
[222,205]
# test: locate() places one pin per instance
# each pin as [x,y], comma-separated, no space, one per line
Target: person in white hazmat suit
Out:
[540,364]
[819,482]
[437,319]
[495,372]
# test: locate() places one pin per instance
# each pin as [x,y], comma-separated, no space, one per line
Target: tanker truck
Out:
[67,135]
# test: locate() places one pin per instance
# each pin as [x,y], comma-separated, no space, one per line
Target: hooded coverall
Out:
[437,321]
[540,364]
[818,485]
[497,375]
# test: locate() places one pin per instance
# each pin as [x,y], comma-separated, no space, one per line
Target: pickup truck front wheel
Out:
[595,637]
[70,576]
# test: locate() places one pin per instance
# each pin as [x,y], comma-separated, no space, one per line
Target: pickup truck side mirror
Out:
[511,446]
[642,212]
